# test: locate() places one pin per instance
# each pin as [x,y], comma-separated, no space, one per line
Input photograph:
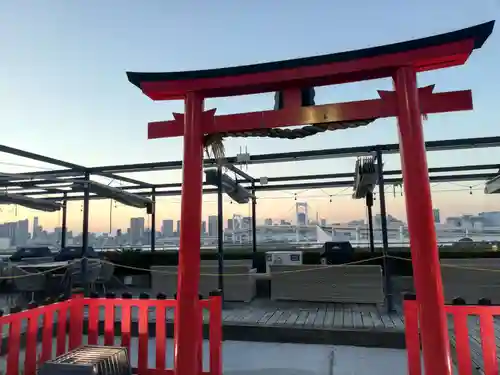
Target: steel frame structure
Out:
[41,184]
[53,184]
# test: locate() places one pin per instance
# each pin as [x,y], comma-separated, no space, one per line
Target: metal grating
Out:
[89,360]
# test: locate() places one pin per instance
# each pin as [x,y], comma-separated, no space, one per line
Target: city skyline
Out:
[279,205]
[237,229]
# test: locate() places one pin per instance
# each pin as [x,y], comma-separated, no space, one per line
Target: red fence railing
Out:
[463,318]
[42,333]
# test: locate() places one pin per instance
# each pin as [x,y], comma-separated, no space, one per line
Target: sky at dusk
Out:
[65,93]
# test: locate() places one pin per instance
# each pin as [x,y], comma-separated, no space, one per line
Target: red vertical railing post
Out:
[487,331]
[30,350]
[161,331]
[47,335]
[62,323]
[176,329]
[126,321]
[143,331]
[188,278]
[14,345]
[109,319]
[93,320]
[421,227]
[200,334]
[76,307]
[462,346]
[215,333]
[412,335]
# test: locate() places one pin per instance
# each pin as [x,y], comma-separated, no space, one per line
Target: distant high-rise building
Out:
[437,215]
[230,224]
[323,222]
[268,221]
[247,222]
[36,227]
[22,232]
[136,230]
[203,227]
[212,226]
[58,233]
[178,227]
[167,228]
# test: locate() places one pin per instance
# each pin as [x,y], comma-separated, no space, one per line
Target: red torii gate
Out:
[402,62]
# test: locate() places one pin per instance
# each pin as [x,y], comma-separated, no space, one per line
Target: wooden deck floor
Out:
[312,315]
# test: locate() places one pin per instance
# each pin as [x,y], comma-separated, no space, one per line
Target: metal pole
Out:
[254,225]
[385,240]
[110,216]
[421,227]
[64,219]
[153,220]
[220,231]
[369,204]
[85,231]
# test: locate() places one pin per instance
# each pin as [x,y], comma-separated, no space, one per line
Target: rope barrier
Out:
[307,269]
[452,265]
[312,268]
[28,274]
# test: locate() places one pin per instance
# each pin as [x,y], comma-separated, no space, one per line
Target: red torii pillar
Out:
[401,61]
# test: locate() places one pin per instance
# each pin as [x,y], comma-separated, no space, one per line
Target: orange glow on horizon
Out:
[278,205]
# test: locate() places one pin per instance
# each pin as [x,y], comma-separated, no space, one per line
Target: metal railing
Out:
[81,321]
[459,313]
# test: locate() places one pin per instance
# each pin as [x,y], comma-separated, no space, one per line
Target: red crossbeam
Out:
[350,111]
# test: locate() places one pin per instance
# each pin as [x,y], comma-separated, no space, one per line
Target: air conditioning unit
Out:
[275,258]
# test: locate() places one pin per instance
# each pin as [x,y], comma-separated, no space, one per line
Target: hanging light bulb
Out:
[295,196]
[330,199]
[470,190]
